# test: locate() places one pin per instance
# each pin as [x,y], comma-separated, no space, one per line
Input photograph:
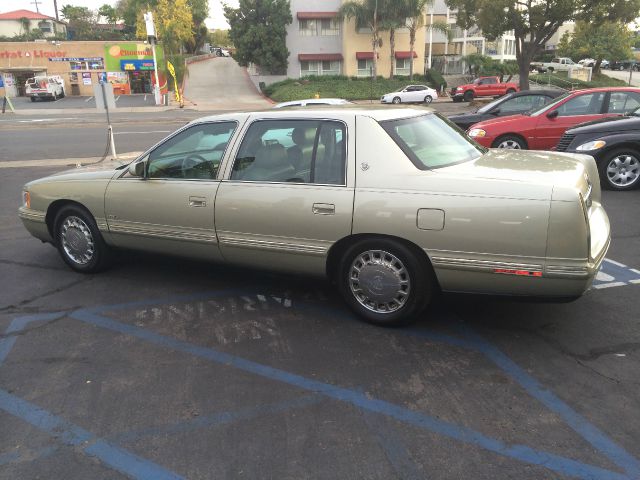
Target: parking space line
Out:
[615,263]
[88,99]
[72,435]
[608,285]
[17,325]
[464,434]
[221,418]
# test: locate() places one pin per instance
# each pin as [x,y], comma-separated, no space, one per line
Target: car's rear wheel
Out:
[33,99]
[428,99]
[384,282]
[396,100]
[620,169]
[510,90]
[457,99]
[468,96]
[79,241]
[511,142]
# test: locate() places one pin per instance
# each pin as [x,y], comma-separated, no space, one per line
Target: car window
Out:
[194,153]
[523,103]
[587,104]
[297,151]
[430,141]
[623,102]
[489,81]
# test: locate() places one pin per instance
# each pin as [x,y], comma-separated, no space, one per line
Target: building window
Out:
[403,65]
[478,46]
[362,27]
[365,68]
[322,67]
[329,26]
[87,65]
[45,27]
[308,28]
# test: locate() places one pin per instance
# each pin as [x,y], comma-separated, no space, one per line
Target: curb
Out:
[71,162]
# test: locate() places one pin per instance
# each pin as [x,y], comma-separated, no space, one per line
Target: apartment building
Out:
[320,44]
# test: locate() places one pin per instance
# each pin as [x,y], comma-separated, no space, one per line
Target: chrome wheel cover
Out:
[77,240]
[396,100]
[623,170]
[379,281]
[428,99]
[510,145]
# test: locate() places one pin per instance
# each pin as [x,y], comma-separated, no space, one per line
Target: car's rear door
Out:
[287,194]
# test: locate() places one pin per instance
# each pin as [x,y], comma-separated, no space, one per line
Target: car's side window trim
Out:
[148,152]
[241,136]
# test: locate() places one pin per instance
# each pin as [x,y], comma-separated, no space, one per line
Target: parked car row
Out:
[606,121]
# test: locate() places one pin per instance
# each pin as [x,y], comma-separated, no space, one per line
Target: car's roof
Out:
[336,101]
[550,93]
[379,113]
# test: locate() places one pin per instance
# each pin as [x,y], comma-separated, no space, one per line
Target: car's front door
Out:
[552,124]
[171,208]
[286,197]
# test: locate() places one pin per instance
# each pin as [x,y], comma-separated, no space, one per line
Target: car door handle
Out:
[197,202]
[324,209]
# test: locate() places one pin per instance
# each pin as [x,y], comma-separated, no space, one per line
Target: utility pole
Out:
[151,35]
[55,7]
[36,3]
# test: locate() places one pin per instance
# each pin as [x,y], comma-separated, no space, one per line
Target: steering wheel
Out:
[190,162]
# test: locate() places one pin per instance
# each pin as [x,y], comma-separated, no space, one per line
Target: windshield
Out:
[431,141]
[490,105]
[548,106]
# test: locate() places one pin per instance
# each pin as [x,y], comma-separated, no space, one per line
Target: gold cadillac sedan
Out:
[392,205]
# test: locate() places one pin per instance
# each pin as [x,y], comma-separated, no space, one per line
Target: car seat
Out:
[271,165]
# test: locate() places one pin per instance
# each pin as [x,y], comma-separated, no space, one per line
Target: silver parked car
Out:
[391,204]
[411,94]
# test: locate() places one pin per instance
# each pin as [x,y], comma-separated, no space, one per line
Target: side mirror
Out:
[138,169]
[552,114]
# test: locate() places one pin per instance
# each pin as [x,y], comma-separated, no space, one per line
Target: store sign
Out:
[1,82]
[33,53]
[128,56]
[76,59]
[130,65]
[86,78]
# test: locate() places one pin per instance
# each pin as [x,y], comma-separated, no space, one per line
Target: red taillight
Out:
[523,273]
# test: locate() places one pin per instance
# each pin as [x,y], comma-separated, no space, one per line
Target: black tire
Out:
[33,99]
[76,231]
[392,262]
[428,99]
[620,169]
[468,96]
[457,99]
[62,93]
[550,69]
[396,100]
[516,142]
[510,90]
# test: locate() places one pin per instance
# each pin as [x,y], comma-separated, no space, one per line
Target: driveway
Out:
[221,84]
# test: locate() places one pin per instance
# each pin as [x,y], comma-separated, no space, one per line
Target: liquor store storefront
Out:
[128,66]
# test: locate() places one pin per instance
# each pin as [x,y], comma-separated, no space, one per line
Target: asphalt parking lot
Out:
[163,368]
[75,102]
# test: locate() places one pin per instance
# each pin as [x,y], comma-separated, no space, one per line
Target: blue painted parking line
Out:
[8,340]
[522,453]
[615,274]
[72,435]
[217,419]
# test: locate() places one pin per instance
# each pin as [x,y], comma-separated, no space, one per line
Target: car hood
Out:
[610,124]
[469,117]
[529,168]
[100,171]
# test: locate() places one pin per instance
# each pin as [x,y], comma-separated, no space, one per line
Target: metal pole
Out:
[630,72]
[430,38]
[109,128]
[156,89]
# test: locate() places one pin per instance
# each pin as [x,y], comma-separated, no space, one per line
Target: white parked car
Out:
[309,102]
[411,94]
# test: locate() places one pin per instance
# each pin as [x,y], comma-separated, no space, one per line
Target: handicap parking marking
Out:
[615,274]
[138,467]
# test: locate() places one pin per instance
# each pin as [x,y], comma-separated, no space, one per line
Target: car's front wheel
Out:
[468,96]
[396,100]
[384,281]
[511,142]
[620,169]
[79,241]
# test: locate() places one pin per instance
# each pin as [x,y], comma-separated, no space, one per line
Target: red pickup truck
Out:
[483,87]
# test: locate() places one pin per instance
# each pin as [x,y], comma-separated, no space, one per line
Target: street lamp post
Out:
[151,35]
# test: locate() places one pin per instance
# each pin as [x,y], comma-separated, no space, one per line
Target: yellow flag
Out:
[172,70]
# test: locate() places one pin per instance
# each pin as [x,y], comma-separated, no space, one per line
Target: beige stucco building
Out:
[17,22]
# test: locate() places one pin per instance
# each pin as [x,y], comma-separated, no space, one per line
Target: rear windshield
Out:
[431,141]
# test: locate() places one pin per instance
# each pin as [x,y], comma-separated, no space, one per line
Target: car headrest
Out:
[271,156]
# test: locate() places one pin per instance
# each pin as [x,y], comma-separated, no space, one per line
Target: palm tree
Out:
[393,18]
[366,14]
[415,11]
[25,25]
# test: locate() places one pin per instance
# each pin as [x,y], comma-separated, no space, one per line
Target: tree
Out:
[393,15]
[535,22]
[220,38]
[109,13]
[173,22]
[81,22]
[199,12]
[610,40]
[366,13]
[258,31]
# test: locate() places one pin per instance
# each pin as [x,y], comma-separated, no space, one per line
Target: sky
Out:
[216,18]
